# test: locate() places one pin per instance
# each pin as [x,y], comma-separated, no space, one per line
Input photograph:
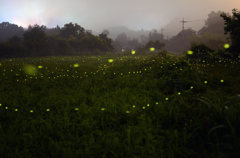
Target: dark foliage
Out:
[8,30]
[36,41]
[72,39]
[200,51]
[232,26]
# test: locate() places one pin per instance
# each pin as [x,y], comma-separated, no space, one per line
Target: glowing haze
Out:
[100,14]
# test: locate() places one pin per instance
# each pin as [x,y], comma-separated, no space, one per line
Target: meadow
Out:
[119,106]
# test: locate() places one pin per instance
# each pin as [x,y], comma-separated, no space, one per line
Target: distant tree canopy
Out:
[122,41]
[232,26]
[36,41]
[212,34]
[53,31]
[214,24]
[72,39]
[71,29]
[106,42]
[8,30]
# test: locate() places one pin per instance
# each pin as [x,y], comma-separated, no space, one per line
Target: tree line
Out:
[72,39]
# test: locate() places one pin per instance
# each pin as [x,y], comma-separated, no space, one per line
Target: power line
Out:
[184,21]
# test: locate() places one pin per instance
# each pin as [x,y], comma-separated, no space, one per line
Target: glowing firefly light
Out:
[190,52]
[75,65]
[133,52]
[40,66]
[152,49]
[110,60]
[226,46]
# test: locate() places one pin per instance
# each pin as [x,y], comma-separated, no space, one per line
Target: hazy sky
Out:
[99,14]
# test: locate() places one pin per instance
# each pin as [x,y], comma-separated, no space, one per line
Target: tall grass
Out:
[135,106]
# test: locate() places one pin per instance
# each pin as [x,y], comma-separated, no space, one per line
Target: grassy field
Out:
[119,106]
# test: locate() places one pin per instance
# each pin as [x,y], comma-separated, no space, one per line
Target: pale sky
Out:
[99,14]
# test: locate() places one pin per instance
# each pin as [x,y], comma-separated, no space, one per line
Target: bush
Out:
[199,51]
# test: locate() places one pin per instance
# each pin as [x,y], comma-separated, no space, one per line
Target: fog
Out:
[101,14]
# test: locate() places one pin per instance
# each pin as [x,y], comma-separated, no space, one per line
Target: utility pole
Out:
[183,22]
[162,33]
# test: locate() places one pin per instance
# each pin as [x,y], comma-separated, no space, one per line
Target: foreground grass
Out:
[135,106]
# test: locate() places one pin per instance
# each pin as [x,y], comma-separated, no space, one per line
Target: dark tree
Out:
[71,29]
[36,41]
[232,26]
[213,24]
[106,40]
[53,31]
[8,30]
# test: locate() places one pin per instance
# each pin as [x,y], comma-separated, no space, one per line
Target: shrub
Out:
[199,51]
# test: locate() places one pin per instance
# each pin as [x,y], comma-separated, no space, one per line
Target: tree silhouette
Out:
[232,26]
[213,24]
[8,30]
[35,40]
[106,41]
[71,29]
